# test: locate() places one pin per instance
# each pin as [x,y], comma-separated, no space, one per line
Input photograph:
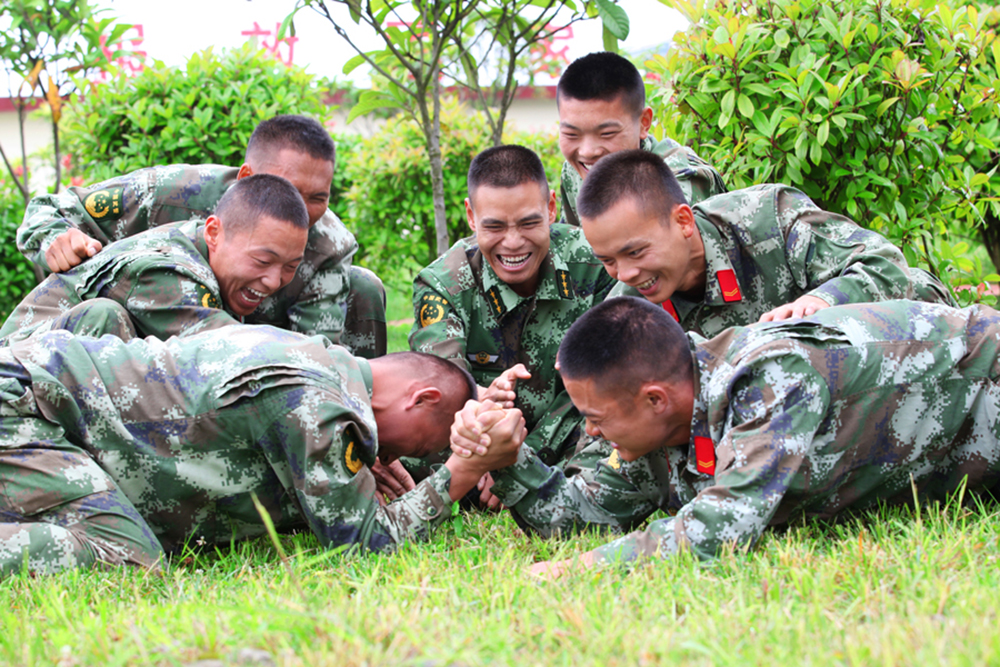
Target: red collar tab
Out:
[730,288]
[704,454]
[668,306]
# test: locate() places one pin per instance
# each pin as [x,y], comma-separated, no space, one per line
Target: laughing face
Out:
[253,263]
[512,229]
[591,129]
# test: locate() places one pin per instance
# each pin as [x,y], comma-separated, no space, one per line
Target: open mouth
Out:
[648,285]
[513,261]
[252,297]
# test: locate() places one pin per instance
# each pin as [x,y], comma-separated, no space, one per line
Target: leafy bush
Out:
[883,110]
[203,112]
[16,275]
[388,204]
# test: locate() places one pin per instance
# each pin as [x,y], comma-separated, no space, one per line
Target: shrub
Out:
[16,275]
[388,204]
[883,110]
[203,112]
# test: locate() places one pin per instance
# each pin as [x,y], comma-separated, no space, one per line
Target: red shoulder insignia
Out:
[668,306]
[730,288]
[704,454]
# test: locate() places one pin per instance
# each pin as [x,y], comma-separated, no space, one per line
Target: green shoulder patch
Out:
[351,460]
[432,309]
[496,302]
[105,204]
[565,283]
[206,298]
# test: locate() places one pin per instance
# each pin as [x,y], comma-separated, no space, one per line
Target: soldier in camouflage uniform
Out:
[768,423]
[602,110]
[499,303]
[176,279]
[761,253]
[59,231]
[115,452]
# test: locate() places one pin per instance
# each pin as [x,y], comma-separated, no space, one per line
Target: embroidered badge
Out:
[668,306]
[351,460]
[105,204]
[565,283]
[704,454]
[496,303]
[206,298]
[730,288]
[614,462]
[432,309]
[483,358]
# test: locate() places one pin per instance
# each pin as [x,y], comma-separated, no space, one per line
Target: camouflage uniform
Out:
[800,418]
[767,245]
[115,452]
[698,179]
[464,313]
[313,303]
[160,276]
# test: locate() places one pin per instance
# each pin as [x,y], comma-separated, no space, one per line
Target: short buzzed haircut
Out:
[506,167]
[298,133]
[604,76]
[261,194]
[624,342]
[635,174]
[456,383]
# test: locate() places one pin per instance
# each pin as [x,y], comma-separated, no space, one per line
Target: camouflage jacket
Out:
[191,428]
[463,312]
[312,303]
[800,418]
[698,179]
[161,277]
[767,245]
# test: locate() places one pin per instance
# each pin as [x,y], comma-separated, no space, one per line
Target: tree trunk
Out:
[990,233]
[437,172]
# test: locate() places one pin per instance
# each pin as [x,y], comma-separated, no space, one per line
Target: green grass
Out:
[399,313]
[887,588]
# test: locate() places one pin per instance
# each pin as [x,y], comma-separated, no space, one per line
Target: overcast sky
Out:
[174,30]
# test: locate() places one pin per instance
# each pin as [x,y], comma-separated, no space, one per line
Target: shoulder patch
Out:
[206,298]
[432,309]
[565,283]
[483,358]
[729,286]
[351,460]
[614,462]
[105,204]
[496,302]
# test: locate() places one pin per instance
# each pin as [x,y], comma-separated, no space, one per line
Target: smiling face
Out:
[591,129]
[638,248]
[512,229]
[254,262]
[311,177]
[658,415]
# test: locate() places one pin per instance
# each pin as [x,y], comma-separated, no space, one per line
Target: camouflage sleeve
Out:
[438,326]
[97,211]
[586,492]
[165,303]
[839,261]
[335,488]
[776,408]
[320,307]
[569,188]
[697,178]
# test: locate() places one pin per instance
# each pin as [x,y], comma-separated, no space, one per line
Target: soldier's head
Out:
[298,149]
[628,368]
[255,240]
[602,109]
[414,399]
[639,224]
[510,210]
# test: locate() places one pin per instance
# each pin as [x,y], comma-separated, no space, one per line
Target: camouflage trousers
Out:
[58,508]
[364,321]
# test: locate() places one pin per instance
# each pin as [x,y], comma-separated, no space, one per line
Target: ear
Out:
[552,206]
[683,217]
[655,395]
[645,121]
[469,215]
[213,232]
[426,397]
[245,171]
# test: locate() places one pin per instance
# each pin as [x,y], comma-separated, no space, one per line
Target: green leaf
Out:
[614,18]
[728,103]
[610,41]
[745,106]
[372,103]
[781,38]
[885,105]
[883,163]
[353,63]
[823,133]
